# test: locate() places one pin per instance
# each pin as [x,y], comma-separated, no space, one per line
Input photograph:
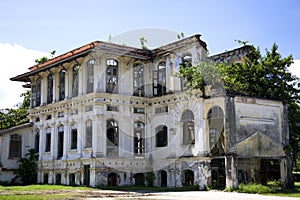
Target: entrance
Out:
[218,173]
[86,175]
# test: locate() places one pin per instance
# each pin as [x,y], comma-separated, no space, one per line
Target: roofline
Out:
[14,128]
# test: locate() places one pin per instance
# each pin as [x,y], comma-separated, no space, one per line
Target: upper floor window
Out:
[186,61]
[60,141]
[138,80]
[74,137]
[88,134]
[75,81]
[50,88]
[15,147]
[48,140]
[159,80]
[61,86]
[161,136]
[37,141]
[36,93]
[90,76]
[111,76]
[188,127]
[112,136]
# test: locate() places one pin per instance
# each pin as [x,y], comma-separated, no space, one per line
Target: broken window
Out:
[50,88]
[48,140]
[159,80]
[61,86]
[75,80]
[90,76]
[186,61]
[188,127]
[138,80]
[112,137]
[74,137]
[60,141]
[15,147]
[111,76]
[37,141]
[139,138]
[88,134]
[161,136]
[215,119]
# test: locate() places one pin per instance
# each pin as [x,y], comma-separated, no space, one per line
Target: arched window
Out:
[111,76]
[112,137]
[187,177]
[188,127]
[215,119]
[159,80]
[38,91]
[161,136]
[37,141]
[186,61]
[112,179]
[50,88]
[75,80]
[60,141]
[61,86]
[88,134]
[74,136]
[90,76]
[138,80]
[139,138]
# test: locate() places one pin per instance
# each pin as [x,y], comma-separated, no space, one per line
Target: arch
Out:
[139,179]
[215,119]
[61,85]
[187,177]
[139,138]
[112,137]
[161,136]
[163,176]
[112,179]
[111,76]
[188,127]
[90,76]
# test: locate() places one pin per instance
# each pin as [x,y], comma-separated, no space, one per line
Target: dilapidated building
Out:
[108,114]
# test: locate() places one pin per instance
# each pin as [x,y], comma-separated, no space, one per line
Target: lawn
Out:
[288,192]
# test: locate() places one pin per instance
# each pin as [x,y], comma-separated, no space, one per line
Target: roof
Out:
[15,128]
[106,47]
[232,55]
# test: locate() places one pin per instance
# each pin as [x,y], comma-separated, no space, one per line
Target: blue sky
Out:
[63,25]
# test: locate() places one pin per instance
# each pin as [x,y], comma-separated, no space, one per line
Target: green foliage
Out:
[254,188]
[294,130]
[45,58]
[150,179]
[10,117]
[143,42]
[28,168]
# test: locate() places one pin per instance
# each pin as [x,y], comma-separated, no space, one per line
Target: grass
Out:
[146,188]
[295,192]
[41,187]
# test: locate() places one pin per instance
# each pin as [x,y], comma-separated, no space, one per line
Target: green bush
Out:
[254,188]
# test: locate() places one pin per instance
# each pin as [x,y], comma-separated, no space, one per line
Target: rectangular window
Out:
[88,134]
[88,108]
[139,110]
[112,108]
[74,139]
[37,142]
[48,142]
[162,109]
[15,147]
[90,76]
[60,114]
[48,117]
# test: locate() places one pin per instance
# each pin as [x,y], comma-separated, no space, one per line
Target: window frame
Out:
[15,146]
[90,76]
[111,72]
[161,136]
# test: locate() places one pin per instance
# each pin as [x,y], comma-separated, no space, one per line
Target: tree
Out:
[10,117]
[27,170]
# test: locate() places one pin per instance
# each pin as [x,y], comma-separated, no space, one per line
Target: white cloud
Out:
[295,68]
[15,60]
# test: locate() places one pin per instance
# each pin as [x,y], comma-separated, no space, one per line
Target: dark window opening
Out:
[74,137]
[88,134]
[112,179]
[139,138]
[61,86]
[58,179]
[90,76]
[72,179]
[37,141]
[75,82]
[60,142]
[187,177]
[111,76]
[138,80]
[139,179]
[161,136]
[46,178]
[38,91]
[163,178]
[48,140]
[112,108]
[112,136]
[50,88]
[15,147]
[159,80]
[48,117]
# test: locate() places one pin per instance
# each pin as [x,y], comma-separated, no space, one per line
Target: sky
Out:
[31,28]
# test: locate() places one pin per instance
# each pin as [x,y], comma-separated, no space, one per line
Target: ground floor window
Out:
[187,177]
